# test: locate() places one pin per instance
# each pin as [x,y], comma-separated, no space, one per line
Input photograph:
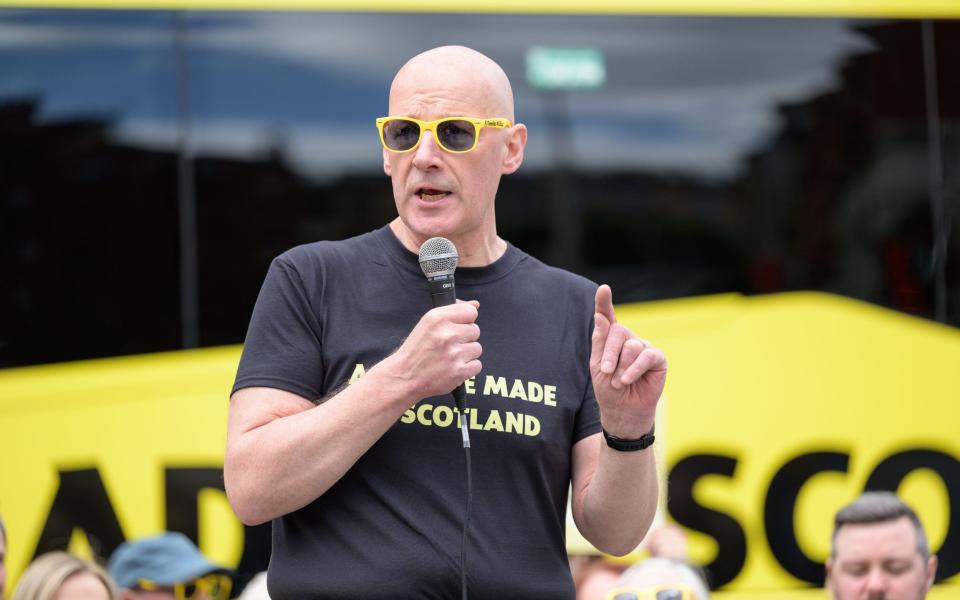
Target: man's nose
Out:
[876,584]
[428,153]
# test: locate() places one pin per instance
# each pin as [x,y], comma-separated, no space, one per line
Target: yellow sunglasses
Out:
[671,591]
[453,134]
[215,587]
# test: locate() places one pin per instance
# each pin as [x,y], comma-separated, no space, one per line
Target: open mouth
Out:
[431,194]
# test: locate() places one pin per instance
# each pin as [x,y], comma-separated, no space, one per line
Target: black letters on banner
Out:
[81,502]
[780,506]
[731,540]
[183,487]
[893,470]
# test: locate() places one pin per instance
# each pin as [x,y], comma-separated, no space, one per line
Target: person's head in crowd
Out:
[62,576]
[667,541]
[879,551]
[453,162]
[660,579]
[595,574]
[167,567]
[3,558]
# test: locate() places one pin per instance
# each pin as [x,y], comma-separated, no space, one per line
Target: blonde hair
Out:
[46,574]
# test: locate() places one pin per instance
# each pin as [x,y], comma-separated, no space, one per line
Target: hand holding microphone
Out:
[438,261]
[442,351]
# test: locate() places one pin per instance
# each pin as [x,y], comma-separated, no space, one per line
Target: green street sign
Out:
[565,68]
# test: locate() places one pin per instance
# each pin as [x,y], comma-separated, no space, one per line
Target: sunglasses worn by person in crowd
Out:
[453,134]
[216,587]
[672,591]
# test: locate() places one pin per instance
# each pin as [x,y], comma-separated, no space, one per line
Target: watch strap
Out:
[625,445]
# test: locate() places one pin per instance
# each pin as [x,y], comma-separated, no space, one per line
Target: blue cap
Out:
[166,559]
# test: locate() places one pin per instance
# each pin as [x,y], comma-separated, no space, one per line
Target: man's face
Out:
[879,561]
[437,192]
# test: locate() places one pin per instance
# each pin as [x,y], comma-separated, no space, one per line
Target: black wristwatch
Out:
[622,445]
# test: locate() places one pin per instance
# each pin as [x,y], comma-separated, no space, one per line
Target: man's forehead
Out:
[893,538]
[452,79]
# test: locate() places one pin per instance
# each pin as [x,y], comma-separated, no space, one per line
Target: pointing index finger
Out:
[604,303]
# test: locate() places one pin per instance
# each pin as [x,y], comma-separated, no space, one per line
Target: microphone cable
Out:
[458,396]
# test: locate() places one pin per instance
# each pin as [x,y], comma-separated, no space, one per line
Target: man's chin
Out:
[427,227]
[413,232]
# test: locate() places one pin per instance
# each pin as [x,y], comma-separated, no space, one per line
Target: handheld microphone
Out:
[438,260]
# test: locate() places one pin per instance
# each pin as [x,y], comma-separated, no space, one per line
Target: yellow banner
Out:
[778,410]
[783,408]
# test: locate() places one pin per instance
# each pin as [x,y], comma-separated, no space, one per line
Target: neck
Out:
[474,250]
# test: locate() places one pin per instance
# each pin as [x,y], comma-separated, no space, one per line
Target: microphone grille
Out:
[438,256]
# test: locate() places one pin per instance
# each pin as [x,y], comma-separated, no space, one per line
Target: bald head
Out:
[454,80]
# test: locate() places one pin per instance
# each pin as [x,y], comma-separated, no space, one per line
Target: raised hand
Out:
[628,373]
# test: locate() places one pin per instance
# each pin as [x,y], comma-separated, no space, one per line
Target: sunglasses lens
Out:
[400,134]
[670,595]
[190,590]
[626,596]
[457,135]
[218,590]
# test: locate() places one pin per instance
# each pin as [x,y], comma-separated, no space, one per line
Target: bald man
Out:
[342,430]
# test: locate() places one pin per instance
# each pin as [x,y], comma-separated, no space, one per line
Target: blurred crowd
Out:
[168,566]
[879,550]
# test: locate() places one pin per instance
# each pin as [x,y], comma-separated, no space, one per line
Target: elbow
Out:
[243,498]
[247,511]
[619,547]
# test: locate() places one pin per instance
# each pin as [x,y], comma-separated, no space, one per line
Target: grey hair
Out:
[878,507]
[660,570]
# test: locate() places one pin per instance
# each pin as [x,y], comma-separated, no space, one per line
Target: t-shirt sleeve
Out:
[283,344]
[587,421]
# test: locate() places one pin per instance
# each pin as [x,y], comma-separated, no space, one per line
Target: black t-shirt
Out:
[391,526]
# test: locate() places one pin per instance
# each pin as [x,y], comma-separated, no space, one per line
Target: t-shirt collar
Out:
[408,261]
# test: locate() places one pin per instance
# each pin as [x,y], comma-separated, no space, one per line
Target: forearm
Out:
[288,461]
[619,500]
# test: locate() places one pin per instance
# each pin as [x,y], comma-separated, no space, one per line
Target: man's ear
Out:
[386,162]
[829,571]
[931,570]
[515,145]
